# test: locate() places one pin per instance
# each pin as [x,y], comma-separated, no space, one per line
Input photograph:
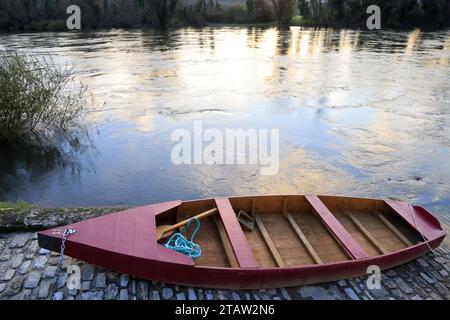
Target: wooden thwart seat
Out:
[241,248]
[226,243]
[352,248]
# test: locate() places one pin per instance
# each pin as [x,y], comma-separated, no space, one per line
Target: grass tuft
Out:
[15,205]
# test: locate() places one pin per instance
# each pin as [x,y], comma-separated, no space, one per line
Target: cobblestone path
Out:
[28,272]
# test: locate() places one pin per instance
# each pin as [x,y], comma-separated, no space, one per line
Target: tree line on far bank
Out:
[38,15]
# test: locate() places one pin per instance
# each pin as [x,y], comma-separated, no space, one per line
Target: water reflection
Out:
[360,113]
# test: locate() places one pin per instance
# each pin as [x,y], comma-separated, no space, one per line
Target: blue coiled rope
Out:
[179,243]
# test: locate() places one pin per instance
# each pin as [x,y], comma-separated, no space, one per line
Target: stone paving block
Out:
[155,295]
[58,296]
[403,286]
[5,257]
[44,289]
[24,267]
[342,283]
[87,272]
[19,240]
[50,272]
[40,262]
[44,251]
[351,294]
[441,289]
[443,273]
[96,295]
[191,294]
[389,283]
[32,280]
[17,260]
[317,293]
[142,290]
[167,293]
[111,292]
[335,291]
[62,280]
[123,294]
[391,273]
[209,295]
[8,275]
[14,286]
[124,279]
[86,285]
[427,278]
[112,276]
[422,263]
[235,296]
[181,296]
[399,294]
[100,281]
[380,293]
[285,294]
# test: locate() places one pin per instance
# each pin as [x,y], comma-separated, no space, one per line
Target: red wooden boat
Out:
[297,240]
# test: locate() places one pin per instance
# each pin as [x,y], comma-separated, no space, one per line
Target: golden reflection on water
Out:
[314,175]
[413,41]
[355,120]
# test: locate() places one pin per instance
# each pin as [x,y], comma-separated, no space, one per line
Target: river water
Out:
[359,113]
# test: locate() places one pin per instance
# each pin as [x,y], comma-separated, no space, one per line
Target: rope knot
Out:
[179,243]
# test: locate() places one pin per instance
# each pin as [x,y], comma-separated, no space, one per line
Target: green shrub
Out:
[57,25]
[236,13]
[296,20]
[38,98]
[37,26]
[14,206]
[47,25]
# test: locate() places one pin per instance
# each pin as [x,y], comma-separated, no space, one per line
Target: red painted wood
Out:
[251,278]
[418,218]
[356,251]
[112,244]
[241,248]
[131,233]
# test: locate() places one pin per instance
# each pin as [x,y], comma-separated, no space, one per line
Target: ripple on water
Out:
[359,113]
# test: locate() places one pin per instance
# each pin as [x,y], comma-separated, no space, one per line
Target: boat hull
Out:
[227,278]
[153,261]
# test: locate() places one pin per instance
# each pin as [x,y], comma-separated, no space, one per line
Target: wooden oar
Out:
[163,231]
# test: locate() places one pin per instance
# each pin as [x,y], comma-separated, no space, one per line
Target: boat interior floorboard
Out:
[208,238]
[289,232]
[319,237]
[385,236]
[350,226]
[260,249]
[286,241]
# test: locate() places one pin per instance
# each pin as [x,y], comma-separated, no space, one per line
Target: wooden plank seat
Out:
[241,248]
[347,242]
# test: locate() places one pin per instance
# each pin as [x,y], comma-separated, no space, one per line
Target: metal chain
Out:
[69,231]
